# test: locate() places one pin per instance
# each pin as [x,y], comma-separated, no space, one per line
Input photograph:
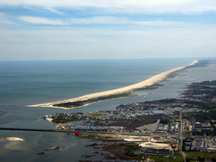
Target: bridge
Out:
[31,129]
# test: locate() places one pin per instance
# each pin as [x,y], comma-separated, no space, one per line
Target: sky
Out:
[106,29]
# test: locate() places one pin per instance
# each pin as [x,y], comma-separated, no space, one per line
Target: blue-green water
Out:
[34,82]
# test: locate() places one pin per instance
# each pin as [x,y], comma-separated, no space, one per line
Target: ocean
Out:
[33,82]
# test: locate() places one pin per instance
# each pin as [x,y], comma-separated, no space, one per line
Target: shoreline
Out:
[115,93]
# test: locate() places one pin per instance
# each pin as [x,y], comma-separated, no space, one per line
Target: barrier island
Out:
[127,91]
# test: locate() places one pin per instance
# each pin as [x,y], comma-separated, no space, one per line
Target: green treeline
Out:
[205,116]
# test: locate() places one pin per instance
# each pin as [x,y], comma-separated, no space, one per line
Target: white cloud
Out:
[98,20]
[5,22]
[40,20]
[54,11]
[4,19]
[125,6]
[79,43]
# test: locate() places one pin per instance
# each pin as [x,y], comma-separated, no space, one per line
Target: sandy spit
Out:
[148,82]
[49,119]
[12,139]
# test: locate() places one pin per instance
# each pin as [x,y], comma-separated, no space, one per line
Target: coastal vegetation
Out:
[86,102]
[199,156]
[203,95]
[116,151]
[67,117]
[123,151]
[106,97]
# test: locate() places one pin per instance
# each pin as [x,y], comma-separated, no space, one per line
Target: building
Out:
[157,137]
[198,126]
[174,146]
[158,112]
[206,128]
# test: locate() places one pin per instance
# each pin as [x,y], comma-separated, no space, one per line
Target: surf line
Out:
[127,91]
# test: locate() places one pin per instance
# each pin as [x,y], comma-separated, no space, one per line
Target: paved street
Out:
[181,137]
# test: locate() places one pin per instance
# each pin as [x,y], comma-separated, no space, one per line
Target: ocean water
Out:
[33,82]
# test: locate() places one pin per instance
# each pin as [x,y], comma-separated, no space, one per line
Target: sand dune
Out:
[132,88]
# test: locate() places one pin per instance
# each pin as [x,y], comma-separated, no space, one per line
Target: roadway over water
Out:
[31,129]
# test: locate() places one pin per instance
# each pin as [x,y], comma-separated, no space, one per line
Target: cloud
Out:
[78,43]
[5,22]
[4,19]
[98,20]
[54,11]
[40,20]
[123,6]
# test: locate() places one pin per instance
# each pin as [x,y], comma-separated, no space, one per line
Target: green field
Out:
[163,158]
[195,154]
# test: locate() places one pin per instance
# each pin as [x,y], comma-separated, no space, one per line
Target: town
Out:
[173,128]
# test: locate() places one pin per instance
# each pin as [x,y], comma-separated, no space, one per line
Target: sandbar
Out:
[12,139]
[49,119]
[94,97]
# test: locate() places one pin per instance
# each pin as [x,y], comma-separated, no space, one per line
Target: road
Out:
[181,137]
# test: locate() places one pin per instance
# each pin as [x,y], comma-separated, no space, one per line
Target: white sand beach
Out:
[132,88]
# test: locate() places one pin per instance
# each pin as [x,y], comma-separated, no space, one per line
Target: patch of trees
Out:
[130,148]
[210,106]
[170,100]
[213,159]
[207,87]
[164,121]
[205,116]
[200,159]
[84,102]
[213,82]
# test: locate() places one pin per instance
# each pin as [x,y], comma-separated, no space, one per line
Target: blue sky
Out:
[106,29]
